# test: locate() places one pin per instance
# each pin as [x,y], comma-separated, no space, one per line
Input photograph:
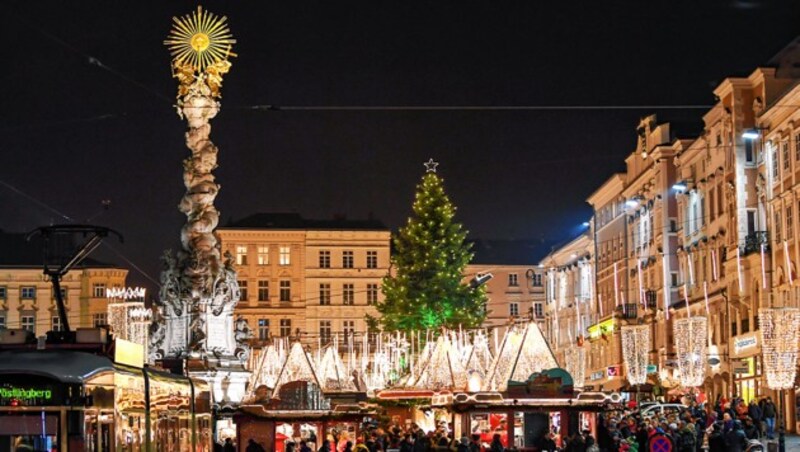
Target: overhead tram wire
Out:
[357,108]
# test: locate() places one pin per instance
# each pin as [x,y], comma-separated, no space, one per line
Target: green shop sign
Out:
[13,392]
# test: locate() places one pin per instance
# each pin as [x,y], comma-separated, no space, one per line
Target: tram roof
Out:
[66,366]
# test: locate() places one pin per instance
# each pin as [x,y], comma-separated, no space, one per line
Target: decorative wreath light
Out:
[691,343]
[779,335]
[635,347]
[575,363]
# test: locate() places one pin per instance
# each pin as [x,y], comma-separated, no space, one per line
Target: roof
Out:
[508,252]
[62,365]
[17,252]
[287,220]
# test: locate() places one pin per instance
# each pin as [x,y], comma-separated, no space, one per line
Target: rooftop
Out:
[286,220]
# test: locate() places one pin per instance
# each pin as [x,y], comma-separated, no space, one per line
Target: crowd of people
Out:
[724,426]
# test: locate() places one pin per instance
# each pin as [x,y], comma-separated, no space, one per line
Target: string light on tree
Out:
[691,344]
[779,335]
[635,346]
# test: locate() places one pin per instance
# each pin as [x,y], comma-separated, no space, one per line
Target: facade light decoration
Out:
[779,335]
[680,186]
[634,202]
[691,343]
[635,348]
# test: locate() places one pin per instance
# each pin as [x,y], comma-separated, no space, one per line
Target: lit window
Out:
[512,279]
[372,294]
[99,290]
[348,294]
[513,309]
[347,259]
[28,292]
[324,259]
[241,254]
[263,329]
[28,322]
[324,294]
[285,255]
[286,327]
[263,290]
[263,255]
[286,290]
[372,259]
[242,290]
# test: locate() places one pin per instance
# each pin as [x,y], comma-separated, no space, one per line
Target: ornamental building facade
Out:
[307,279]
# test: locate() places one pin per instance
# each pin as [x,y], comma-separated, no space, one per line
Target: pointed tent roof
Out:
[522,352]
[480,357]
[297,367]
[443,369]
[332,373]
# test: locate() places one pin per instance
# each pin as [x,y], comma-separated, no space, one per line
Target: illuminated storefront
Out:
[746,366]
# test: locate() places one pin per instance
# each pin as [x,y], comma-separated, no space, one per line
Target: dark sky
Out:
[76,131]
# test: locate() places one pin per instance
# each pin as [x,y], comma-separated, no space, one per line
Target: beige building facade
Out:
[307,279]
[27,300]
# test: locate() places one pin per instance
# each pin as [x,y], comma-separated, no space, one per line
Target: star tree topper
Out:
[430,166]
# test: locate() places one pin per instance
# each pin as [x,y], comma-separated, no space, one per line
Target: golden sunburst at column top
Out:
[200,39]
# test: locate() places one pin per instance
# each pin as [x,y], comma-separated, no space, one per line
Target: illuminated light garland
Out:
[443,370]
[788,261]
[480,357]
[575,365]
[763,268]
[739,270]
[714,271]
[691,344]
[635,348]
[296,368]
[779,335]
[667,290]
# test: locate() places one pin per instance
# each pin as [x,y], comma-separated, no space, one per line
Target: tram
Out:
[67,400]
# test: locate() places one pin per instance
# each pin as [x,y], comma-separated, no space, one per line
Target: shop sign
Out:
[613,371]
[599,329]
[597,375]
[743,343]
[741,366]
[652,368]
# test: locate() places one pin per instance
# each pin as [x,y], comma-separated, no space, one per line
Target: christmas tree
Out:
[426,291]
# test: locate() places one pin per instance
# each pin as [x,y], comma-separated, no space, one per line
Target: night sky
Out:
[87,112]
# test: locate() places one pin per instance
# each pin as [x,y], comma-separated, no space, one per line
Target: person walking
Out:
[768,413]
[496,445]
[735,440]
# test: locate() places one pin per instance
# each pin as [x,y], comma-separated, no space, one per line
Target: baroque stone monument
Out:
[193,322]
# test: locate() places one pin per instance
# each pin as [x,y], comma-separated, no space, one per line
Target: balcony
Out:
[754,240]
[629,311]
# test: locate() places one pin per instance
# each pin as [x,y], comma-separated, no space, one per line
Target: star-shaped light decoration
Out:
[430,166]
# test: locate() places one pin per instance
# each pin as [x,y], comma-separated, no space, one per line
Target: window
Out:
[748,151]
[785,154]
[29,292]
[774,164]
[100,319]
[286,327]
[372,259]
[777,226]
[263,329]
[349,328]
[797,147]
[789,228]
[285,255]
[325,331]
[733,329]
[2,321]
[55,325]
[243,290]
[28,322]
[64,293]
[324,259]
[372,294]
[99,290]
[3,292]
[536,281]
[324,294]
[752,221]
[538,310]
[512,279]
[263,290]
[286,290]
[513,309]
[241,254]
[347,259]
[348,294]
[263,254]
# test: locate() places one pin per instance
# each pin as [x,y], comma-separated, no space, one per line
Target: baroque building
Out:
[315,280]
[26,294]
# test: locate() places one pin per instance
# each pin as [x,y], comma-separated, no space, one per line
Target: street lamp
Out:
[752,134]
